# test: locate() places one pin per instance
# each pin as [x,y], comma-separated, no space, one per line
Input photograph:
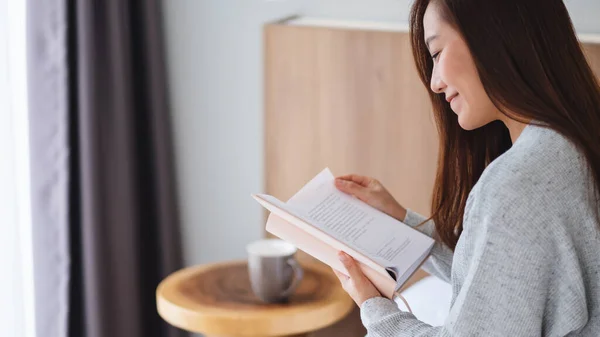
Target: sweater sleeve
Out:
[439,262]
[503,293]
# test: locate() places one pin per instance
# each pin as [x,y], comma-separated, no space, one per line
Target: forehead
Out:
[432,19]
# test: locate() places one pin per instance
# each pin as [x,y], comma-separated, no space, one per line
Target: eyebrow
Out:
[429,39]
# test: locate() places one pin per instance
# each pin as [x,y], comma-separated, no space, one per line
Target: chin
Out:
[461,121]
[467,123]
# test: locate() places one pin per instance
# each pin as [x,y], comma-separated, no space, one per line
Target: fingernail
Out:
[343,257]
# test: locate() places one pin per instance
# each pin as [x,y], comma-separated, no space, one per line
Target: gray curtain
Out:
[102,167]
[49,163]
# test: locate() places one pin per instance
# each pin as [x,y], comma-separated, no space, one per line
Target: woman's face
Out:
[454,72]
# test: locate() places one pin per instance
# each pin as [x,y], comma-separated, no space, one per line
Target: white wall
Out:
[17,314]
[362,10]
[9,280]
[215,66]
[584,13]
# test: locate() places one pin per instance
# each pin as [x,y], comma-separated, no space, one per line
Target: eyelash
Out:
[434,56]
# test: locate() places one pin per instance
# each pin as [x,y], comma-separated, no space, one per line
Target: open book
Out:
[321,220]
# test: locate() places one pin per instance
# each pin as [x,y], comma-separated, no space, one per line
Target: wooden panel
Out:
[592,52]
[350,100]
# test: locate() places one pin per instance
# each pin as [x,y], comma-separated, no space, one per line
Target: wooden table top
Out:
[216,299]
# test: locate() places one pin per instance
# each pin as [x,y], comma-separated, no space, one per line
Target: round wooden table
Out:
[217,300]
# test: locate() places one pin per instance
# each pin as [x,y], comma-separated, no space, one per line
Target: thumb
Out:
[351,187]
[351,266]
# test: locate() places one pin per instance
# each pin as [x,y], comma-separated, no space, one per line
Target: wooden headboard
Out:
[351,100]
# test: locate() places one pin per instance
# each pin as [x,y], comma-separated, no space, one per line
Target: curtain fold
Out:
[48,104]
[121,232]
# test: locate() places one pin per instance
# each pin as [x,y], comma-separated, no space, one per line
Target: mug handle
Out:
[298,274]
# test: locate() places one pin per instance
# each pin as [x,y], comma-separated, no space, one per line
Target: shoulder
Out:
[524,190]
[541,163]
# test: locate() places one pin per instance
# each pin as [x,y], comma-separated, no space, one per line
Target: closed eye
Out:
[434,56]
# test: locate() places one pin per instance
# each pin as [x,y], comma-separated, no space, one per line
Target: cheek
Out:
[461,75]
[456,71]
[452,71]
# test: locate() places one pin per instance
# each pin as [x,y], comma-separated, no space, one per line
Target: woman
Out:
[516,201]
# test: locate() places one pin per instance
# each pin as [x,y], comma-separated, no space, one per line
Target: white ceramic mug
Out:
[274,272]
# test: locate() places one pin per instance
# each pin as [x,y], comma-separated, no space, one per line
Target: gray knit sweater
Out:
[528,260]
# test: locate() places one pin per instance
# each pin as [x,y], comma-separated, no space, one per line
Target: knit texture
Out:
[528,260]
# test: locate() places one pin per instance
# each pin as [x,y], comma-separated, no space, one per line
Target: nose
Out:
[437,85]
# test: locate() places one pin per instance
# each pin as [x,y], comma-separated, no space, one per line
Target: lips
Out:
[450,98]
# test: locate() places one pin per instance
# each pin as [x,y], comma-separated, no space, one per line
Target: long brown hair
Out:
[532,68]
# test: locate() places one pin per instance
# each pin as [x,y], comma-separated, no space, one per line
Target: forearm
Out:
[414,219]
[382,318]
[439,263]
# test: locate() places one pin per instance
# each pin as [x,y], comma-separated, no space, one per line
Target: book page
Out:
[382,238]
[356,226]
[294,216]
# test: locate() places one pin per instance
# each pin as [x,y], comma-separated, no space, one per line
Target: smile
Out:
[451,98]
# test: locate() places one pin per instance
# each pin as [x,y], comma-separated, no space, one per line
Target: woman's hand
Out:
[357,285]
[372,192]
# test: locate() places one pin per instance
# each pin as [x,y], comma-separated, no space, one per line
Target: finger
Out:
[351,188]
[361,180]
[351,266]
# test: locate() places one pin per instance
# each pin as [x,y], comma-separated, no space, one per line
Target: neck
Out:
[515,128]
